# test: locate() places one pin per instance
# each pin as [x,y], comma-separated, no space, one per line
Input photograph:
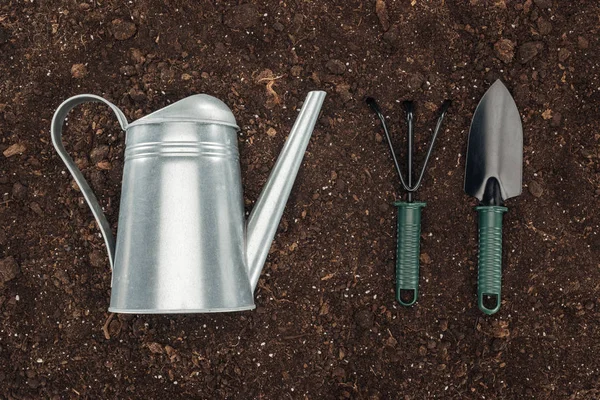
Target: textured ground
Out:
[326,325]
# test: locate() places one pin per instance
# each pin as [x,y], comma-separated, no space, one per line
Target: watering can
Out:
[183,244]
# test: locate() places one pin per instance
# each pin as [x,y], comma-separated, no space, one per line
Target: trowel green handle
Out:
[408,251]
[489,281]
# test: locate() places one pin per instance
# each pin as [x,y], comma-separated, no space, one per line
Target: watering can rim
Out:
[198,108]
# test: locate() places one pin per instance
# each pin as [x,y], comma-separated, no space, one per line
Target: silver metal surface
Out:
[495,148]
[56,132]
[181,245]
[267,211]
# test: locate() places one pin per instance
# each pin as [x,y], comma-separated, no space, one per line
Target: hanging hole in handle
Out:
[407,297]
[490,302]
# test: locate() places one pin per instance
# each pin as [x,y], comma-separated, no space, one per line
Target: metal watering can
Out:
[183,245]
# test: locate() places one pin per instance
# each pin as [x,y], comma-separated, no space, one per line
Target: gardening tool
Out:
[183,244]
[493,174]
[409,212]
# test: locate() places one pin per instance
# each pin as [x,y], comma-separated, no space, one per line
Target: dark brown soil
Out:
[327,325]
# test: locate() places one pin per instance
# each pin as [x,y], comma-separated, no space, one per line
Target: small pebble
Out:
[364,319]
[14,149]
[544,26]
[137,56]
[123,30]
[336,67]
[536,189]
[563,54]
[19,191]
[78,71]
[97,259]
[36,208]
[528,51]
[505,50]
[9,269]
[296,70]
[444,325]
[137,95]
[99,153]
[415,81]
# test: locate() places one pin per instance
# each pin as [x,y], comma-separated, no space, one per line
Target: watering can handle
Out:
[56,132]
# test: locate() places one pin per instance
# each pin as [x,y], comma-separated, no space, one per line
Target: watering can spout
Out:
[264,218]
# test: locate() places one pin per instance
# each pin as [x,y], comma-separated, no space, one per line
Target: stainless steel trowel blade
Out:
[495,147]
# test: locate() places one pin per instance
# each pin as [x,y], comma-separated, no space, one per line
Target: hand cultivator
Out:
[409,211]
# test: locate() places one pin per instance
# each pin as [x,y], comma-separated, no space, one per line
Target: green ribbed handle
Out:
[489,281]
[408,252]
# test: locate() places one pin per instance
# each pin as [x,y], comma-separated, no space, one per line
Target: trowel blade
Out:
[495,147]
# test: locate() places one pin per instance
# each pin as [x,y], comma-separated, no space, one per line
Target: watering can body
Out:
[180,245]
[183,244]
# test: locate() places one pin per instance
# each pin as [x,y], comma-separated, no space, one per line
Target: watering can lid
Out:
[197,108]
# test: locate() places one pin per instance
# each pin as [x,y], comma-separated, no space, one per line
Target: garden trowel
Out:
[493,174]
